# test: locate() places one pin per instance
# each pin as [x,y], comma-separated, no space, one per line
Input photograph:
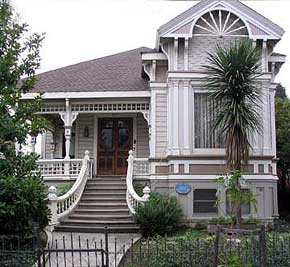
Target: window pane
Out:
[205,194]
[204,201]
[204,114]
[204,207]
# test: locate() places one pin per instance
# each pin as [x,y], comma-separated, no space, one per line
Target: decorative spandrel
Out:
[220,23]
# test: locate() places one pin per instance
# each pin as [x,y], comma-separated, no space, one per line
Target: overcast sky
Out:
[80,30]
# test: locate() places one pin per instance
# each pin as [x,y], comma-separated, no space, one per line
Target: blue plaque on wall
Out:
[182,189]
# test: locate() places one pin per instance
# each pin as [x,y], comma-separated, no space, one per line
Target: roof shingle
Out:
[119,72]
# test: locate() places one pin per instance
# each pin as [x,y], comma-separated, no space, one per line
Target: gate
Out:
[68,251]
[75,252]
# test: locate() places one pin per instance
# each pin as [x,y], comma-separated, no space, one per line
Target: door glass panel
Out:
[106,138]
[123,134]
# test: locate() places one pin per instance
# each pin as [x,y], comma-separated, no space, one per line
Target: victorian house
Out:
[152,101]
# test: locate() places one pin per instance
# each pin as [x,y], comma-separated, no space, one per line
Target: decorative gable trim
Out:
[258,26]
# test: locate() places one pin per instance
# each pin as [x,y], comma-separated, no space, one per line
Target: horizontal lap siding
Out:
[142,146]
[48,142]
[161,125]
[85,143]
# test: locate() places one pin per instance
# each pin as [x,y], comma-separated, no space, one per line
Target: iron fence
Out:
[224,249]
[17,251]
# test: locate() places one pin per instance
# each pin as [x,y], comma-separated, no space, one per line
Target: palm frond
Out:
[232,84]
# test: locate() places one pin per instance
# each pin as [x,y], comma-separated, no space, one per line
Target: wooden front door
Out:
[115,139]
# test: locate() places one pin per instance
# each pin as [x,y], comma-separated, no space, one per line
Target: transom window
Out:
[220,23]
[204,201]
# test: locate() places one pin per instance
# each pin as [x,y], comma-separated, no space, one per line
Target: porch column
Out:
[33,143]
[68,117]
[67,135]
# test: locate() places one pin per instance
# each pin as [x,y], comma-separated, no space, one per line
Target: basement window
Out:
[204,201]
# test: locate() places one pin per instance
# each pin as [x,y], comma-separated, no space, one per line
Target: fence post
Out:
[262,242]
[216,246]
[106,246]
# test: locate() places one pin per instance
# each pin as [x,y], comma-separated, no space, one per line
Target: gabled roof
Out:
[119,72]
[259,26]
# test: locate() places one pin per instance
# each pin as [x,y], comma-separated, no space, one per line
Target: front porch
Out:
[107,129]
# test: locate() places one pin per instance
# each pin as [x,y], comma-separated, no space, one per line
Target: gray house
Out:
[151,101]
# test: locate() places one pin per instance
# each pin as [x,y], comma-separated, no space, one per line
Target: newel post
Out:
[52,197]
[146,192]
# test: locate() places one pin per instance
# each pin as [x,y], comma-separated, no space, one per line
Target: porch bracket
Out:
[146,116]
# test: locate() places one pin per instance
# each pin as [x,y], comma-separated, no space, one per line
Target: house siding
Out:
[161,124]
[142,137]
[85,143]
[200,46]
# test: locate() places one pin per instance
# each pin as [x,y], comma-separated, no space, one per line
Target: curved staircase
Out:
[103,203]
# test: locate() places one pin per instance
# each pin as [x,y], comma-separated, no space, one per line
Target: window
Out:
[246,208]
[204,201]
[205,136]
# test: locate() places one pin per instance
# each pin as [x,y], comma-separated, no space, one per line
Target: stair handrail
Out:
[132,198]
[61,206]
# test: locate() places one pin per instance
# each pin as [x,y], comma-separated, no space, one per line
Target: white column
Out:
[33,143]
[175,118]
[275,201]
[152,140]
[67,129]
[169,116]
[186,116]
[186,54]
[175,53]
[153,71]
[68,117]
[264,56]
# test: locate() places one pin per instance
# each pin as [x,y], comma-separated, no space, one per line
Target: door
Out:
[115,139]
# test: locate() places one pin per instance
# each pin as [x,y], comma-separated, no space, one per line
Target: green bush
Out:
[160,215]
[23,198]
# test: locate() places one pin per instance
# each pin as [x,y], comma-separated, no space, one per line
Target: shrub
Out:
[160,215]
[23,198]
[64,189]
[202,225]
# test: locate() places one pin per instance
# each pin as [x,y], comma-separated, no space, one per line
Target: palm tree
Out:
[236,95]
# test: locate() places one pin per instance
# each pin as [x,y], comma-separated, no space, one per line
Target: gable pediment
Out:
[257,26]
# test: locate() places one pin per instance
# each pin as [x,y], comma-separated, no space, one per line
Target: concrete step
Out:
[103,199]
[106,186]
[91,193]
[94,229]
[105,205]
[102,217]
[97,223]
[108,182]
[102,211]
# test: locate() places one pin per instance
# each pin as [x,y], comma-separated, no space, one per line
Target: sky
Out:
[80,30]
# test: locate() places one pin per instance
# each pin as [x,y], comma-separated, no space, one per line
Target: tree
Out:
[281,92]
[232,86]
[282,110]
[22,192]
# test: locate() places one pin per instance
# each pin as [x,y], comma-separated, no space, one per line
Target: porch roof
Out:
[119,72]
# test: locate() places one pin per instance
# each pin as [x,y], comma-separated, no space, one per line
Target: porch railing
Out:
[63,205]
[60,168]
[138,167]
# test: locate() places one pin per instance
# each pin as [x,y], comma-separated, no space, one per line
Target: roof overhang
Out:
[88,95]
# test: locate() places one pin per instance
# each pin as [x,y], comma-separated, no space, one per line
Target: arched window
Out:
[220,23]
